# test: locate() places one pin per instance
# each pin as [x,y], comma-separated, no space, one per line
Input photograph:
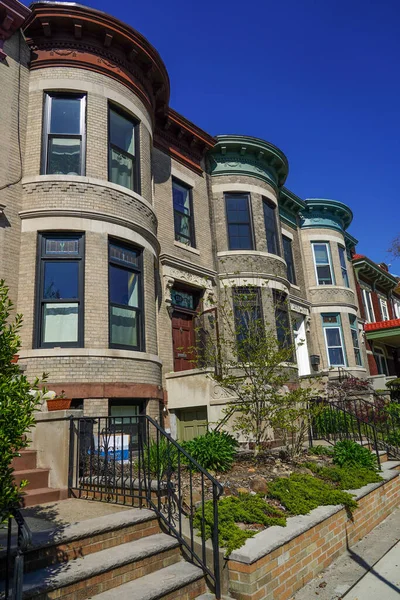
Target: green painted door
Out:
[192,423]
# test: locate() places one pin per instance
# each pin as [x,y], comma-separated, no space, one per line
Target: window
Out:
[240,235]
[367,301]
[271,229]
[355,338]
[60,291]
[384,309]
[248,314]
[381,361]
[125,291]
[323,263]
[334,340]
[64,134]
[122,150]
[282,321]
[343,266]
[183,213]
[288,256]
[396,308]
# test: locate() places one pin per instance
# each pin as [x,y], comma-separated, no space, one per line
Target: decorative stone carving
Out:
[218,393]
[299,308]
[332,295]
[171,275]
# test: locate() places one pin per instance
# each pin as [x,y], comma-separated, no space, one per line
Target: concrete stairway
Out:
[38,490]
[122,555]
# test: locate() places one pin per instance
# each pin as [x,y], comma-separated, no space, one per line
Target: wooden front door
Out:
[183,339]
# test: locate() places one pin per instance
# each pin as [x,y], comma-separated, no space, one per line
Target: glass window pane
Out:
[65,115]
[181,197]
[342,257]
[64,156]
[60,246]
[124,327]
[336,356]
[333,336]
[122,132]
[237,209]
[124,287]
[129,257]
[182,226]
[180,298]
[321,254]
[121,171]
[324,274]
[60,322]
[60,280]
[355,338]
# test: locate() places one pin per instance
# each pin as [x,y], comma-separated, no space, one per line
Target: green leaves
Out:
[350,454]
[214,451]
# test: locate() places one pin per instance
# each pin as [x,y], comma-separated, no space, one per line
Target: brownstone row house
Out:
[120,220]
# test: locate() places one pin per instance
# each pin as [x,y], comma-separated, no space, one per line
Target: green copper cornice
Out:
[330,214]
[290,206]
[249,156]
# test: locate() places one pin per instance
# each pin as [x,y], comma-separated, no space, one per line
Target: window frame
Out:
[291,277]
[42,258]
[250,222]
[280,300]
[271,205]
[46,134]
[337,325]
[191,215]
[329,263]
[236,291]
[368,305]
[379,352]
[343,265]
[396,308]
[140,310]
[383,305]
[137,185]
[357,349]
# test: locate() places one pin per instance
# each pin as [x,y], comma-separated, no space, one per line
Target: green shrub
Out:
[349,453]
[247,508]
[302,493]
[214,451]
[321,450]
[161,457]
[346,478]
[328,422]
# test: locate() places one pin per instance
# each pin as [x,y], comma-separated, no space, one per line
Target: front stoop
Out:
[37,491]
[103,556]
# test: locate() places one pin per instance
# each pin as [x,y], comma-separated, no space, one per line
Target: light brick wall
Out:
[14,81]
[279,574]
[95,407]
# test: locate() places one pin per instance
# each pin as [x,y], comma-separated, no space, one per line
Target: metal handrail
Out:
[133,459]
[15,562]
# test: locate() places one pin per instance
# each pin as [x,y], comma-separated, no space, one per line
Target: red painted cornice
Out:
[382,325]
[12,16]
[71,35]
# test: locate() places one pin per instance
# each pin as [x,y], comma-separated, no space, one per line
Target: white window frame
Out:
[338,326]
[384,309]
[396,309]
[370,315]
[354,327]
[343,265]
[329,263]
[379,352]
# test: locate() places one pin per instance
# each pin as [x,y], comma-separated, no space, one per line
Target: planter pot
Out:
[59,404]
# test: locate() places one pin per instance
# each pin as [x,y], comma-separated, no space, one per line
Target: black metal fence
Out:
[14,574]
[132,460]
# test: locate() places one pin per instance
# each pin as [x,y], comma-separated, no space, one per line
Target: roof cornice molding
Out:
[248,156]
[323,213]
[12,16]
[70,35]
[370,270]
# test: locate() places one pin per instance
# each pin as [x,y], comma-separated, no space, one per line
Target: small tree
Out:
[18,401]
[251,366]
[395,247]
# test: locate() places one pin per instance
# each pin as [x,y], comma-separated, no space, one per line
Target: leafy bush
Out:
[302,493]
[214,451]
[328,422]
[351,454]
[346,478]
[161,457]
[247,508]
[321,450]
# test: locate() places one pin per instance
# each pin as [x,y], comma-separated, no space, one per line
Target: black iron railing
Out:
[359,420]
[132,460]
[14,574]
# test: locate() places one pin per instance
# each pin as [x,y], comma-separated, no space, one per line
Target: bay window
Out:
[64,140]
[60,291]
[247,310]
[323,263]
[343,266]
[331,324]
[240,233]
[282,321]
[271,228]
[122,150]
[125,295]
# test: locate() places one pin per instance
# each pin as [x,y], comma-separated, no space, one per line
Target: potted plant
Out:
[59,402]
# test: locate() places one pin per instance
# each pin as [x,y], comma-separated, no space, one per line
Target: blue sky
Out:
[318,78]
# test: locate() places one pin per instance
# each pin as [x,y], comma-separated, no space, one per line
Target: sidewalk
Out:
[369,570]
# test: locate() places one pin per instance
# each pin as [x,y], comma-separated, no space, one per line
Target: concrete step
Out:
[39,496]
[391,464]
[182,579]
[89,575]
[26,460]
[37,478]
